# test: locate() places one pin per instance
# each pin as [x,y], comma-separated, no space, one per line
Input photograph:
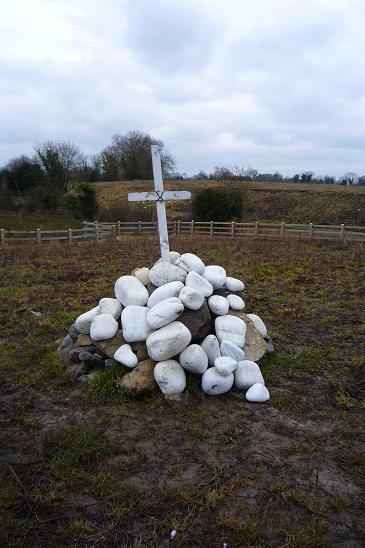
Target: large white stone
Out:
[216,275]
[126,356]
[163,273]
[259,324]
[210,345]
[231,328]
[191,298]
[247,374]
[258,393]
[232,284]
[230,349]
[190,262]
[164,312]
[170,377]
[142,274]
[218,305]
[134,323]
[103,327]
[174,257]
[197,282]
[164,292]
[84,321]
[235,302]
[225,365]
[129,290]
[214,384]
[110,306]
[169,341]
[194,359]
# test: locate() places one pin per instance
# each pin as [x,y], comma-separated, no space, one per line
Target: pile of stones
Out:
[166,322]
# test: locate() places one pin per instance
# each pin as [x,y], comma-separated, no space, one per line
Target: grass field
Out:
[83,467]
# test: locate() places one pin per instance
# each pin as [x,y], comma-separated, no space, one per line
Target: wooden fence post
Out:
[97,231]
[256,228]
[282,231]
[69,234]
[311,231]
[342,233]
[233,226]
[211,230]
[192,229]
[118,227]
[178,226]
[39,236]
[139,227]
[2,236]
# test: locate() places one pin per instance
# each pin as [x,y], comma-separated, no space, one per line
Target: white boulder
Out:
[210,345]
[232,284]
[216,275]
[129,290]
[134,323]
[167,342]
[103,327]
[174,257]
[126,356]
[200,284]
[194,359]
[84,321]
[225,365]
[164,292]
[163,273]
[170,377]
[230,349]
[214,384]
[231,328]
[164,312]
[191,298]
[259,324]
[110,306]
[142,274]
[190,262]
[218,305]
[235,302]
[247,374]
[258,393]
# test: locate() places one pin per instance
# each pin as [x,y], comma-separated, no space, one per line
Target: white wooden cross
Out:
[160,196]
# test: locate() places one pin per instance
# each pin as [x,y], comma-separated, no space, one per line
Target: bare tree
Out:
[59,162]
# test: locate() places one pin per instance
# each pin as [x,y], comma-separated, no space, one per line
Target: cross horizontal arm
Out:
[142,197]
[160,196]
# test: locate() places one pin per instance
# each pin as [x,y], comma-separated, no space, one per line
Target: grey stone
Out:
[199,322]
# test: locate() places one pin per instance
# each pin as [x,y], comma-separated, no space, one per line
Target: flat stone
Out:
[140,381]
[142,274]
[235,302]
[73,332]
[210,345]
[163,273]
[200,284]
[103,327]
[130,291]
[255,345]
[164,312]
[258,393]
[84,321]
[225,365]
[170,377]
[194,359]
[199,322]
[230,349]
[126,356]
[134,323]
[218,305]
[233,284]
[140,350]
[190,262]
[231,328]
[191,299]
[259,324]
[83,340]
[164,292]
[215,384]
[110,306]
[247,374]
[110,346]
[216,275]
[65,348]
[169,341]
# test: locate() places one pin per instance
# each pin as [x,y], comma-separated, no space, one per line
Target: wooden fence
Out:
[234,230]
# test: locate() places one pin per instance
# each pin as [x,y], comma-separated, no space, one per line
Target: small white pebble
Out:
[173,534]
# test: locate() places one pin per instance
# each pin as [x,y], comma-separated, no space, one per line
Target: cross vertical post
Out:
[160,204]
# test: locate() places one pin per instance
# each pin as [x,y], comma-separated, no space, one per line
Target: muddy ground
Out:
[84,467]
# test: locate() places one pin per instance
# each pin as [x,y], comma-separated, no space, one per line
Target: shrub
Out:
[217,205]
[81,201]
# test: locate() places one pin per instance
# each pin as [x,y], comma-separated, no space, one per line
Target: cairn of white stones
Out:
[177,318]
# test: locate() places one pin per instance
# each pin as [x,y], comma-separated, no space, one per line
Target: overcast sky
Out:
[274,84]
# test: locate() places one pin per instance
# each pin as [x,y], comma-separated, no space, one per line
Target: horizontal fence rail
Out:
[211,229]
